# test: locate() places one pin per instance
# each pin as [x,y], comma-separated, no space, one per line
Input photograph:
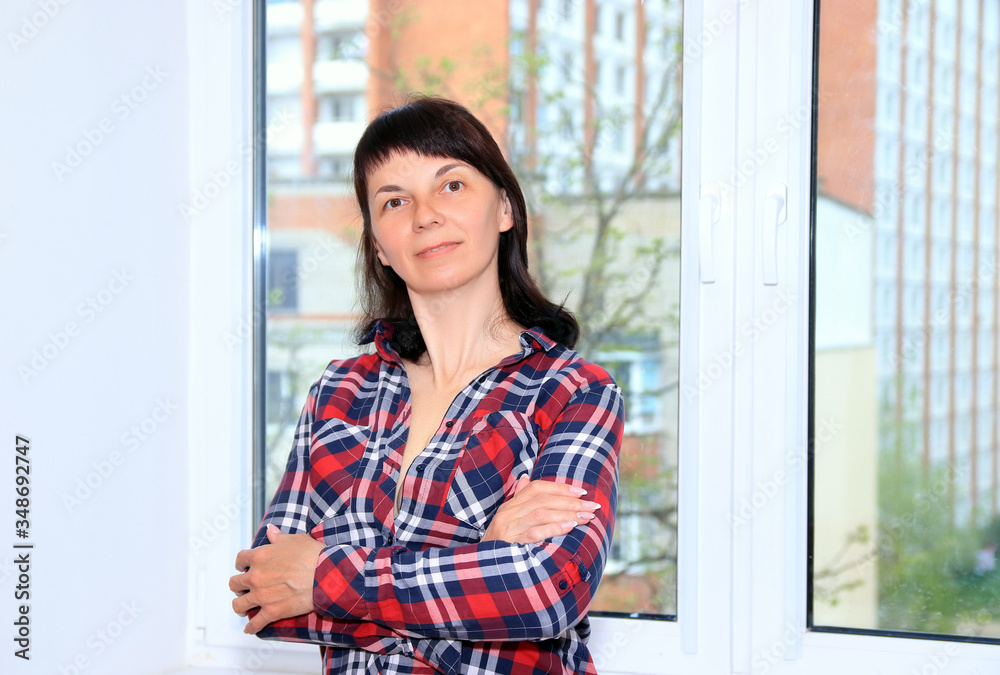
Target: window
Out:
[283,288]
[904,546]
[336,168]
[566,125]
[771,422]
[278,392]
[620,80]
[566,10]
[341,46]
[628,288]
[341,108]
[638,373]
[617,142]
[568,66]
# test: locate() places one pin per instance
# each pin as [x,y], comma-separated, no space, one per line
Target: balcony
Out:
[339,76]
[285,142]
[284,78]
[337,138]
[339,15]
[284,17]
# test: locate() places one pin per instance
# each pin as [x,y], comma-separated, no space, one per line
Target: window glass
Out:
[600,171]
[906,529]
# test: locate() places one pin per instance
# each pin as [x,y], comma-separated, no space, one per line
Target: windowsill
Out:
[206,670]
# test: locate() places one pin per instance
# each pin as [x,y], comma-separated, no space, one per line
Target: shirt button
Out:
[563,585]
[449,423]
[420,468]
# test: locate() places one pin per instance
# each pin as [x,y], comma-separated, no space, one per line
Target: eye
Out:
[394,203]
[453,185]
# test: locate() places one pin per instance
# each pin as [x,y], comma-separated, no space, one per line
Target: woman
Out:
[449,499]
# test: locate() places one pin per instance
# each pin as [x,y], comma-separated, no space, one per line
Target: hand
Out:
[539,510]
[277,578]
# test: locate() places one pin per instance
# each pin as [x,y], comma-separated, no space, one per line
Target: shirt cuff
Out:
[339,583]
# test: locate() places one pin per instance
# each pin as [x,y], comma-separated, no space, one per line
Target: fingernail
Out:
[569,524]
[592,505]
[578,491]
[271,526]
[586,516]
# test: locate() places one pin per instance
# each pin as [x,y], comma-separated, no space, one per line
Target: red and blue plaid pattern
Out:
[419,592]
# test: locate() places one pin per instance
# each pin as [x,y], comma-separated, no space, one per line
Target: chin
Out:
[440,284]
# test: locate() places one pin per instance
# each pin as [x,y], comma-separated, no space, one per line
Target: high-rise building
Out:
[914,145]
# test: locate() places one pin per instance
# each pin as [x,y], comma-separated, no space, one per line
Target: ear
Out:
[378,251]
[507,214]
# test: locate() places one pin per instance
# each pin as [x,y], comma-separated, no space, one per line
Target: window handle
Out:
[708,215]
[775,213]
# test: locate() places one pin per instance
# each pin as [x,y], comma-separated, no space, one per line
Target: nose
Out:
[425,215]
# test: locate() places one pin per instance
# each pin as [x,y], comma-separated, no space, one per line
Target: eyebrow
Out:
[437,174]
[446,168]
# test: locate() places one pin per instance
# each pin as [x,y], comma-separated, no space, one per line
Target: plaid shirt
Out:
[420,592]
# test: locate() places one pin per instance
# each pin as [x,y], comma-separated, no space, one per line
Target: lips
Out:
[437,249]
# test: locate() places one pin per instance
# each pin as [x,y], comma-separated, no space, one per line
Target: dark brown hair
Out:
[437,127]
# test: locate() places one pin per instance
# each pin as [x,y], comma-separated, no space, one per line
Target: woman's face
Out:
[436,221]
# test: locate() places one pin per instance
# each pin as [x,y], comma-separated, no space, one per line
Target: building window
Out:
[279,396]
[620,80]
[568,66]
[638,374]
[340,108]
[282,281]
[620,26]
[567,128]
[341,47]
[618,142]
[335,168]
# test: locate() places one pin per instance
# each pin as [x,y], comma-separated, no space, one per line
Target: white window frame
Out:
[742,592]
[769,565]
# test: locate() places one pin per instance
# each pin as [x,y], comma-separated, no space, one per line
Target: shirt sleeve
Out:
[495,590]
[290,511]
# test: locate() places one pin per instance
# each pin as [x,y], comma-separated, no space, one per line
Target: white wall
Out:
[108,404]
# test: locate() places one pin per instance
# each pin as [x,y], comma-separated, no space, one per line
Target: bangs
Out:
[436,130]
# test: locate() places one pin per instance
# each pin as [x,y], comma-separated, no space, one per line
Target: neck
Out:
[465,330]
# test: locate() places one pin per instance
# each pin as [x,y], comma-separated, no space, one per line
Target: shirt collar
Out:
[540,338]
[381,334]
[531,339]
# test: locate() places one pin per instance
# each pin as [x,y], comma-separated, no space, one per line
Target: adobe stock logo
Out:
[32,25]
